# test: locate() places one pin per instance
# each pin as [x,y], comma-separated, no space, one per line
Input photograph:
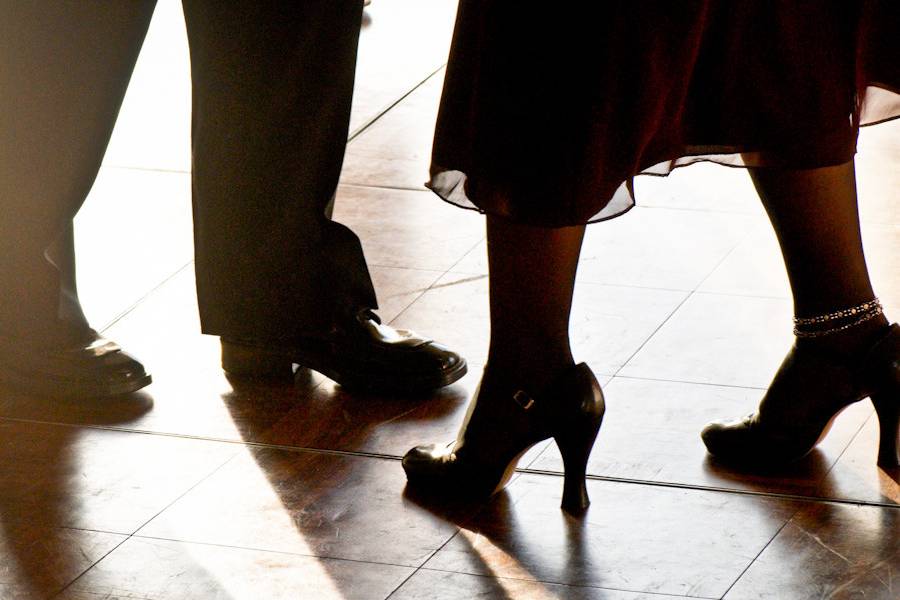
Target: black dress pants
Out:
[272,86]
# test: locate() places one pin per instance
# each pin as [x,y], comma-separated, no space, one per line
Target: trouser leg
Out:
[272,84]
[64,69]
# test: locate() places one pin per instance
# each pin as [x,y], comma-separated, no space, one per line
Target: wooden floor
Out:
[202,488]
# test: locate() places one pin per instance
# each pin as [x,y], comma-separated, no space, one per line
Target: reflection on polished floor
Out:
[205,488]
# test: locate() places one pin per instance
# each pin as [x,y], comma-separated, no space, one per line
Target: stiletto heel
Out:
[808,391]
[887,407]
[484,457]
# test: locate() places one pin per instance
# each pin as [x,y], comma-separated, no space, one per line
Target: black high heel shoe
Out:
[808,392]
[496,434]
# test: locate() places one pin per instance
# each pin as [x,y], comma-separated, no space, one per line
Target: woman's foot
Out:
[816,382]
[501,425]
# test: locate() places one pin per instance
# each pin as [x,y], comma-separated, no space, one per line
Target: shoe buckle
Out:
[523,400]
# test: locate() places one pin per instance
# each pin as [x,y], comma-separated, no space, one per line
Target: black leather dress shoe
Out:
[85,366]
[361,355]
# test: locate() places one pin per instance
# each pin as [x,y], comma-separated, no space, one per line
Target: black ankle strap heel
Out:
[808,391]
[481,462]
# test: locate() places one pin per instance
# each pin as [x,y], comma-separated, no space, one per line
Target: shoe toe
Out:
[442,357]
[713,435]
[425,453]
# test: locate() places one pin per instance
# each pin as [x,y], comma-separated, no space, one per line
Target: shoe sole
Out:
[404,386]
[251,362]
[65,389]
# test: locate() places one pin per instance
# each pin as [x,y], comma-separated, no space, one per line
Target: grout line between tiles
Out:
[424,562]
[365,126]
[689,382]
[185,493]
[91,566]
[149,293]
[858,432]
[94,530]
[146,169]
[713,488]
[716,211]
[582,282]
[404,582]
[440,277]
[646,341]
[141,526]
[700,292]
[758,554]
[255,549]
[397,188]
[680,304]
[420,292]
[571,585]
[528,471]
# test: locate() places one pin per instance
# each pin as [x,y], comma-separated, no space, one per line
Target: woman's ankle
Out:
[531,376]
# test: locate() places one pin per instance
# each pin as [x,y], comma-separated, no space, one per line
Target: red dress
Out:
[550,109]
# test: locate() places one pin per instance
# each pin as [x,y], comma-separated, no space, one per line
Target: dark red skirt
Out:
[549,110]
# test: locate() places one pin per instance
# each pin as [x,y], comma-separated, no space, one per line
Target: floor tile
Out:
[708,186]
[37,561]
[718,339]
[396,150]
[660,248]
[401,228]
[877,176]
[835,551]
[857,476]
[95,479]
[701,186]
[654,248]
[755,267]
[393,58]
[689,287]
[190,394]
[165,570]
[882,248]
[379,424]
[609,323]
[651,432]
[133,232]
[397,288]
[441,585]
[154,125]
[402,42]
[633,538]
[307,503]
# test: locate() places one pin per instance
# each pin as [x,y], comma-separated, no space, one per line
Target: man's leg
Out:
[272,89]
[273,84]
[63,73]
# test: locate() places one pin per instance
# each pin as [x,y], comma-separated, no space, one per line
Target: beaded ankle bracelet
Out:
[809,327]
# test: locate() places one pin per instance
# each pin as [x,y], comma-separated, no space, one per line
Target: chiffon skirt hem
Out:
[546,120]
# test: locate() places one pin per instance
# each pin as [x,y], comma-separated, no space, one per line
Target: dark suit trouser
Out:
[272,84]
